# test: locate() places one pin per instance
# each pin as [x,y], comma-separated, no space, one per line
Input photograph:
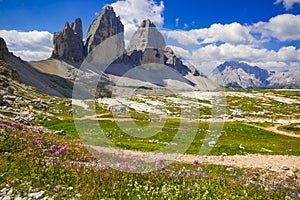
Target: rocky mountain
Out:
[242,75]
[104,26]
[68,44]
[147,36]
[146,46]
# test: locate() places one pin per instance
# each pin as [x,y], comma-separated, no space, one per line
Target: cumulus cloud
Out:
[208,57]
[288,4]
[285,27]
[32,45]
[208,47]
[234,33]
[133,12]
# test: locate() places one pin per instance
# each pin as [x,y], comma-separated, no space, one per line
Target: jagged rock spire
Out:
[68,43]
[106,24]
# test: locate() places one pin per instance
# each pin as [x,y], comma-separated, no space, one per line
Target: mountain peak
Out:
[105,25]
[147,24]
[68,43]
[147,36]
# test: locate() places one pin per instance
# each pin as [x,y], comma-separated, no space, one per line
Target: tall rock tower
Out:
[68,44]
[106,24]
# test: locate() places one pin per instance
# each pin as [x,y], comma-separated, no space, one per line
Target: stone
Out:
[1,100]
[106,25]
[284,167]
[230,169]
[241,147]
[68,43]
[36,195]
[61,132]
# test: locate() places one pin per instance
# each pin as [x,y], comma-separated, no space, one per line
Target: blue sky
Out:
[205,33]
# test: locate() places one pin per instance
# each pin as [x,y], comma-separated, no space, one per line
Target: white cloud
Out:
[285,27]
[133,12]
[233,33]
[32,45]
[208,57]
[288,4]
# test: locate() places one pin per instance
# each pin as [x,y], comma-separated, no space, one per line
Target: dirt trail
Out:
[242,161]
[274,129]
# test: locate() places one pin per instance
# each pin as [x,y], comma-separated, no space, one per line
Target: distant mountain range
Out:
[241,75]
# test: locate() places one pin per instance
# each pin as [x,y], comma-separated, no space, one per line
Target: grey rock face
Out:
[3,49]
[106,24]
[147,36]
[148,46]
[68,43]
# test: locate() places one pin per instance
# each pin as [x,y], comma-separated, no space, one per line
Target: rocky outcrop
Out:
[3,49]
[106,24]
[148,46]
[68,44]
[147,36]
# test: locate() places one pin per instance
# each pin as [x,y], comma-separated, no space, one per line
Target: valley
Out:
[99,120]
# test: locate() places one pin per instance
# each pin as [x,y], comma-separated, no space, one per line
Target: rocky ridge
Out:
[25,73]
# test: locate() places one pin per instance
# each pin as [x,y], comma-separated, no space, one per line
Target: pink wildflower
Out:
[52,147]
[45,150]
[133,162]
[56,153]
[165,169]
[196,162]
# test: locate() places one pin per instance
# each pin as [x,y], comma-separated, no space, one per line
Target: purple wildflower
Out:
[39,140]
[100,152]
[81,157]
[196,162]
[52,147]
[159,162]
[24,130]
[165,169]
[13,124]
[54,141]
[39,130]
[45,150]
[56,153]
[62,149]
[133,162]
